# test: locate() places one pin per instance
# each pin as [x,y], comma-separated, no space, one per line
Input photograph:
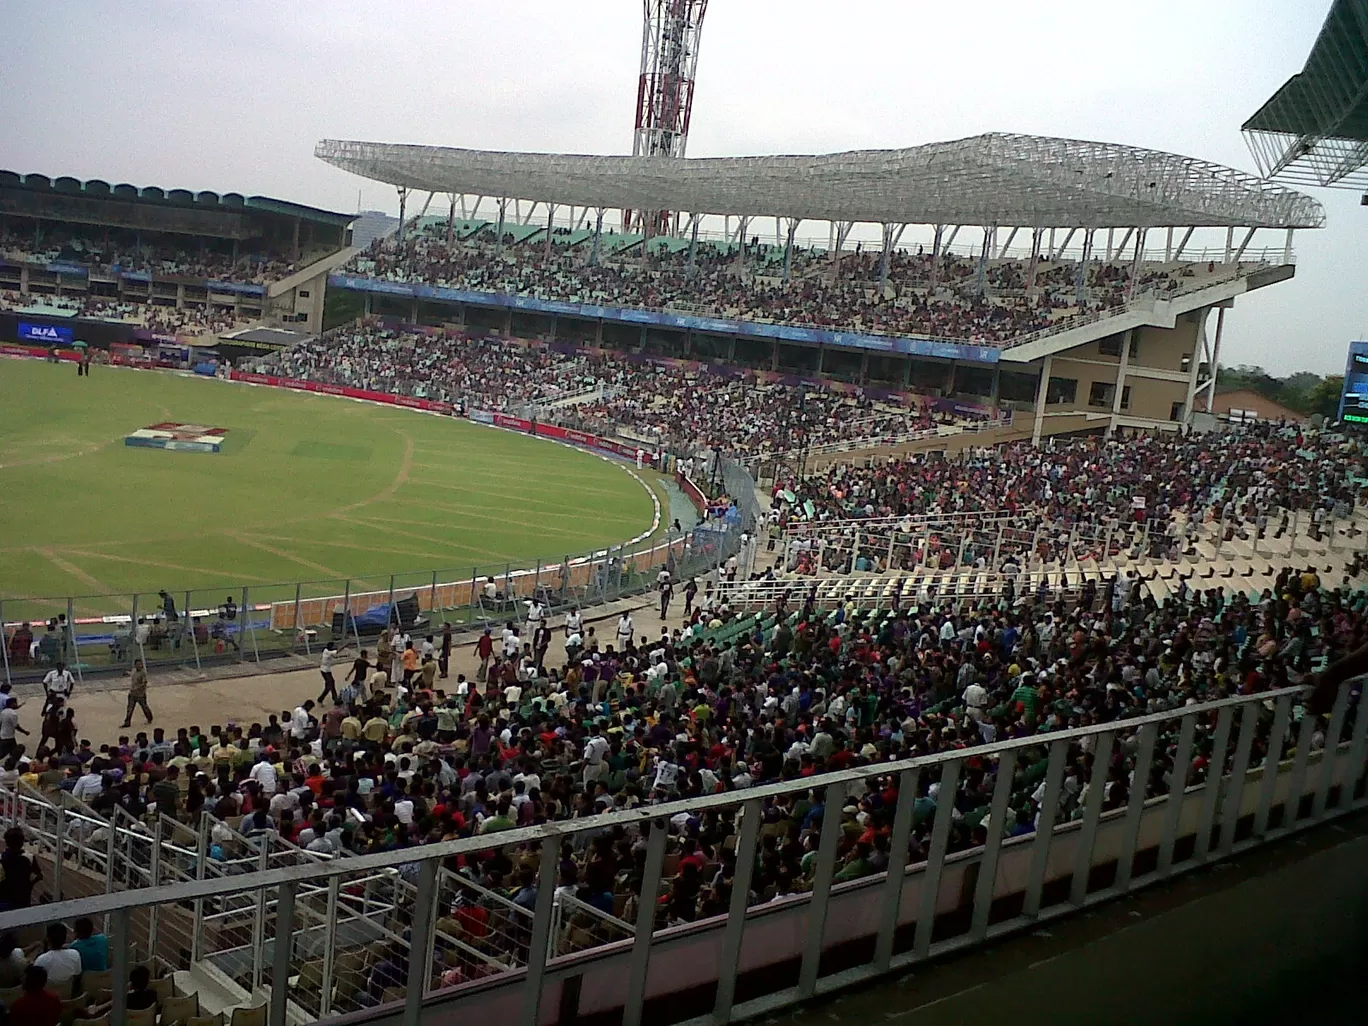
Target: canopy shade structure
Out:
[1314,130]
[994,179]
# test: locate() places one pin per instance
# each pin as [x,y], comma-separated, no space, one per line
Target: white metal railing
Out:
[941,891]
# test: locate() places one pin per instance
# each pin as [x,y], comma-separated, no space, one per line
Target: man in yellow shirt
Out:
[375,730]
[351,728]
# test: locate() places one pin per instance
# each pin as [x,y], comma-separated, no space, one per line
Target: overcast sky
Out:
[233,96]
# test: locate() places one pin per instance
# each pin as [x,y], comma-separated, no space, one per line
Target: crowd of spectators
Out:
[680,408]
[120,251]
[195,319]
[395,755]
[947,302]
[1244,474]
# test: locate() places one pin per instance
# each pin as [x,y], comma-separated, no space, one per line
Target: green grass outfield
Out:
[308,487]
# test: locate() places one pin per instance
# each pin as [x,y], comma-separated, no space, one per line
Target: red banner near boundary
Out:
[503,420]
[430,405]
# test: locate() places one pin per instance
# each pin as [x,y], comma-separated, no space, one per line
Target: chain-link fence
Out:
[95,634]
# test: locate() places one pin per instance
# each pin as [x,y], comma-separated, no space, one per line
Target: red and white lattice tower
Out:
[670,36]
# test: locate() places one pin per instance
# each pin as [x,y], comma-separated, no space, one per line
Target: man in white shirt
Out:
[574,622]
[536,614]
[975,699]
[88,785]
[63,964]
[595,750]
[264,773]
[625,629]
[9,727]
[511,644]
[301,723]
[57,684]
[325,667]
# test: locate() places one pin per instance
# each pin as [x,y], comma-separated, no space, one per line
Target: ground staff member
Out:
[137,693]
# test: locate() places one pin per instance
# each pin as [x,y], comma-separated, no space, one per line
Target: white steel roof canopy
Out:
[994,179]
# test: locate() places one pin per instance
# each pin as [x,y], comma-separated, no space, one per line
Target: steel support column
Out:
[598,237]
[793,223]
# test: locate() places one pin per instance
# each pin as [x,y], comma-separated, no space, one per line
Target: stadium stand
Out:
[941,300]
[680,408]
[734,701]
[170,260]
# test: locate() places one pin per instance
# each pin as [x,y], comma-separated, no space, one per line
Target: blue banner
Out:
[903,345]
[242,288]
[73,269]
[46,334]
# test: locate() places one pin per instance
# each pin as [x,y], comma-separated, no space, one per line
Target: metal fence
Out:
[195,627]
[1118,806]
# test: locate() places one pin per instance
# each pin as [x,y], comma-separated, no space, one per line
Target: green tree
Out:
[1324,398]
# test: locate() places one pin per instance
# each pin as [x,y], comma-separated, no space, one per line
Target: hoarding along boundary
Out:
[520,583]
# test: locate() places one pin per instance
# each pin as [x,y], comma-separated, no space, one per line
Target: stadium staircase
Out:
[872,565]
[323,266]
[218,950]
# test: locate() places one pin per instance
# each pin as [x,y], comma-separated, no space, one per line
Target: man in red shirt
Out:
[36,1006]
[484,648]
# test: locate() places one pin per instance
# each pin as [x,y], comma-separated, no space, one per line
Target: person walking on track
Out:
[137,694]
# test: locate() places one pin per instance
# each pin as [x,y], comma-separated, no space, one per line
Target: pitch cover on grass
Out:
[179,437]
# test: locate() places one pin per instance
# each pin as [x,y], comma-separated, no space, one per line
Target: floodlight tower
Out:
[670,36]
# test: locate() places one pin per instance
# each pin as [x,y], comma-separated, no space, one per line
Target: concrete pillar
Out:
[1120,380]
[1215,358]
[1041,390]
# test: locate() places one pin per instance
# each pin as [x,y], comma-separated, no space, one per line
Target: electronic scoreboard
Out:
[1353,407]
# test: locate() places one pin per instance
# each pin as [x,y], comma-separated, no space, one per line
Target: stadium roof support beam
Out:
[981,276]
[892,233]
[1062,246]
[598,237]
[1121,247]
[1182,244]
[403,204]
[1035,259]
[1249,236]
[988,179]
[1081,277]
[793,223]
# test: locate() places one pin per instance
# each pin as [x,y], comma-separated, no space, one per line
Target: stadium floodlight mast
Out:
[670,35]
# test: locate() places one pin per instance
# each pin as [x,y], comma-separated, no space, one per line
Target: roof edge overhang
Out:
[995,179]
